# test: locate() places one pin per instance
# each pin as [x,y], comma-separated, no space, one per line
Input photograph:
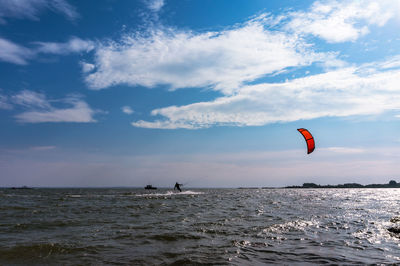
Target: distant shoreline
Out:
[391,184]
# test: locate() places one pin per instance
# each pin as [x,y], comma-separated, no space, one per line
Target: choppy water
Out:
[202,226]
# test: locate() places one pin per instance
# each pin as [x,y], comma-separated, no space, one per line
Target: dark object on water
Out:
[394,230]
[24,187]
[395,219]
[149,187]
[177,186]
[309,139]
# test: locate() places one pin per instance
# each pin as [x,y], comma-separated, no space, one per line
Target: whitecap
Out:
[170,193]
[75,196]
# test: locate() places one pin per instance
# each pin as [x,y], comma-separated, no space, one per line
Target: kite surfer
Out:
[177,186]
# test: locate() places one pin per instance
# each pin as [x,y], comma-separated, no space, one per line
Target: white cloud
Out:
[74,45]
[17,54]
[349,91]
[340,21]
[42,148]
[14,53]
[393,62]
[170,123]
[80,112]
[127,110]
[65,8]
[32,99]
[40,109]
[30,9]
[222,60]
[155,5]
[228,59]
[4,103]
[344,150]
[86,67]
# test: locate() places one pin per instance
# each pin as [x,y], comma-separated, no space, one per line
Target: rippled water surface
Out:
[199,226]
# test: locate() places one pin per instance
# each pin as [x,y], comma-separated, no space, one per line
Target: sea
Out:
[131,226]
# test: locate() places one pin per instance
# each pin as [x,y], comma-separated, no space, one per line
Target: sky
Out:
[207,93]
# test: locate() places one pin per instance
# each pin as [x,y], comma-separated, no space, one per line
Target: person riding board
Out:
[177,186]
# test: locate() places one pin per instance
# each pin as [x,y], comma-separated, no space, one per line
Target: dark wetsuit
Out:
[177,186]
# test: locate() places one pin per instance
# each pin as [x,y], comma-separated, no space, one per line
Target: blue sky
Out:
[208,93]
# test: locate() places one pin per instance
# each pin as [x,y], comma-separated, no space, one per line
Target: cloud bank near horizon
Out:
[273,168]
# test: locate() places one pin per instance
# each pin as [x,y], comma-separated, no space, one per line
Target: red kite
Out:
[309,139]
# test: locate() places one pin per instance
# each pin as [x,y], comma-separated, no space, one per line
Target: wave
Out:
[75,196]
[42,251]
[170,193]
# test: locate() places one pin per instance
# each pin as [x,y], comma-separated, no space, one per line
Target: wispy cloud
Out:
[39,109]
[340,21]
[344,150]
[17,54]
[349,91]
[31,99]
[14,53]
[154,5]
[42,148]
[74,45]
[127,110]
[4,102]
[86,67]
[31,9]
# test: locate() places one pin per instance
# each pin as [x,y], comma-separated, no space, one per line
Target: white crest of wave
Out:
[170,193]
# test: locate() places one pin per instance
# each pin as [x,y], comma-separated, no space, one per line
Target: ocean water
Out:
[198,226]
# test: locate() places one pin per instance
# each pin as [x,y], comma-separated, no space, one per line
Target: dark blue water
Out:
[201,226]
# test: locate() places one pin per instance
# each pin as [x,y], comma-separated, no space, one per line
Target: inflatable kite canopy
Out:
[309,139]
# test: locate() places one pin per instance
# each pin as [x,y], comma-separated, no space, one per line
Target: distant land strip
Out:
[391,184]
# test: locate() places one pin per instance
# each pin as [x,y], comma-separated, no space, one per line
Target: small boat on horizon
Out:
[23,187]
[149,187]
